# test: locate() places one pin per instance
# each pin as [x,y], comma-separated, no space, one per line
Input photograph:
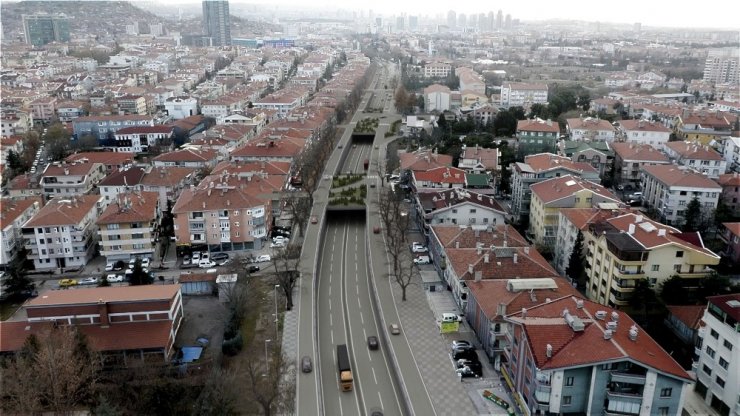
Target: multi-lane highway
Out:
[345,316]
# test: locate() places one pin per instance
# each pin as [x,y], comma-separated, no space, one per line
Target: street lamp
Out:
[267,362]
[276,311]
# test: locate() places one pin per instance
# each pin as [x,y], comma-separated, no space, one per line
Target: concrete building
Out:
[536,168]
[552,195]
[437,70]
[129,226]
[104,128]
[537,135]
[718,350]
[703,159]
[630,158]
[731,153]
[436,98]
[722,66]
[730,236]
[645,132]
[523,94]
[599,154]
[61,179]
[669,189]
[40,29]
[570,355]
[138,139]
[120,181]
[627,248]
[590,129]
[13,214]
[730,183]
[63,233]
[459,206]
[181,107]
[216,22]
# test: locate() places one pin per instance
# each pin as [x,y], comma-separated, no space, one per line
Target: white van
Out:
[450,317]
[424,259]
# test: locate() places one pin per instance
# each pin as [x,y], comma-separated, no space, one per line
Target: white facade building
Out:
[645,132]
[181,107]
[670,188]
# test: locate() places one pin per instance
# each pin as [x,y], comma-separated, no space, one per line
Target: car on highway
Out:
[114,278]
[395,329]
[376,230]
[417,247]
[89,281]
[306,365]
[262,258]
[67,282]
[314,220]
[372,342]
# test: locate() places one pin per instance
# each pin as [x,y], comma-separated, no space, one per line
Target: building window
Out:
[714,334]
[727,345]
[723,363]
[666,392]
[567,400]
[663,411]
[656,267]
[707,370]
[569,381]
[720,382]
[679,253]
[710,351]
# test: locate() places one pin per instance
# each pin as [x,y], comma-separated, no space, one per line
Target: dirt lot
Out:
[205,316]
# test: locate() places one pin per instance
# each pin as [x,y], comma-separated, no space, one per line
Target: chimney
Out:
[516,257]
[548,351]
[478,276]
[502,309]
[478,249]
[457,244]
[103,311]
[661,232]
[526,250]
[470,268]
[485,258]
[631,229]
[638,219]
[524,312]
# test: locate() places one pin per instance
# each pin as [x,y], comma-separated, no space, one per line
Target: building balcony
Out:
[630,273]
[623,285]
[618,301]
[624,396]
[701,332]
[631,378]
[696,274]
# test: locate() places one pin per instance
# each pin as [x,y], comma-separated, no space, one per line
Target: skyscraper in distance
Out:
[500,19]
[216,22]
[41,29]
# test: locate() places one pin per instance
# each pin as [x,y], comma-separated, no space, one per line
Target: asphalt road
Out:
[345,316]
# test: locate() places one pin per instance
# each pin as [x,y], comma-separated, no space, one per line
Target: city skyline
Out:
[657,13]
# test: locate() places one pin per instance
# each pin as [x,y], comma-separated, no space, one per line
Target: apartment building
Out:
[668,189]
[103,128]
[188,158]
[645,132]
[138,139]
[43,110]
[552,195]
[63,233]
[731,153]
[624,249]
[479,160]
[120,181]
[129,226]
[181,107]
[168,182]
[441,177]
[630,158]
[537,135]
[437,98]
[15,123]
[573,356]
[61,179]
[459,206]
[703,126]
[730,236]
[13,214]
[703,159]
[522,94]
[437,70]
[599,154]
[284,103]
[590,129]
[730,183]
[539,167]
[490,301]
[718,351]
[224,212]
[722,66]
[125,324]
[132,104]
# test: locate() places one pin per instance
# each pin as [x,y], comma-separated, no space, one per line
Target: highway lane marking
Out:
[376,380]
[330,292]
[331,319]
[332,341]
[382,406]
[362,319]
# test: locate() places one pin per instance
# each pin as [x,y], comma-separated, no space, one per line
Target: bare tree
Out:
[286,261]
[271,383]
[395,221]
[219,395]
[55,372]
[299,206]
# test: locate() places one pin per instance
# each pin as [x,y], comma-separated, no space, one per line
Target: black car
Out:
[469,372]
[253,269]
[219,256]
[372,342]
[467,354]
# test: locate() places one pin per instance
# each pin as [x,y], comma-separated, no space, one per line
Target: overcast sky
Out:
[716,14]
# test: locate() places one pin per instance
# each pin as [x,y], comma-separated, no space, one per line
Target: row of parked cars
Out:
[205,260]
[421,253]
[466,359]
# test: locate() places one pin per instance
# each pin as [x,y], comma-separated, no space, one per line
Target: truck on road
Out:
[345,371]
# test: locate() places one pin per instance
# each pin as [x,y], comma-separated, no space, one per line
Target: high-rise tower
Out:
[216,22]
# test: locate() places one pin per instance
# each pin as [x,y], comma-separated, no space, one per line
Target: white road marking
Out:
[381,401]
[375,378]
[331,319]
[362,319]
[332,340]
[330,291]
[364,333]
[357,290]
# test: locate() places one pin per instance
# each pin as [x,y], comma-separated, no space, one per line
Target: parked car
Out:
[109,266]
[422,260]
[145,262]
[277,245]
[460,344]
[372,342]
[467,354]
[417,247]
[67,282]
[196,257]
[253,269]
[306,365]
[395,329]
[280,240]
[114,278]
[219,256]
[262,258]
[186,260]
[205,264]
[89,281]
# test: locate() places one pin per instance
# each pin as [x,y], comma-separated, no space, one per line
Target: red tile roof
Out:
[167,175]
[643,125]
[107,294]
[589,123]
[466,237]
[221,191]
[544,324]
[489,294]
[547,126]
[106,158]
[672,175]
[503,263]
[423,160]
[131,207]
[187,155]
[729,179]
[690,315]
[733,227]
[693,150]
[250,168]
[730,304]
[545,161]
[639,152]
[11,209]
[446,175]
[564,186]
[125,177]
[146,130]
[64,211]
